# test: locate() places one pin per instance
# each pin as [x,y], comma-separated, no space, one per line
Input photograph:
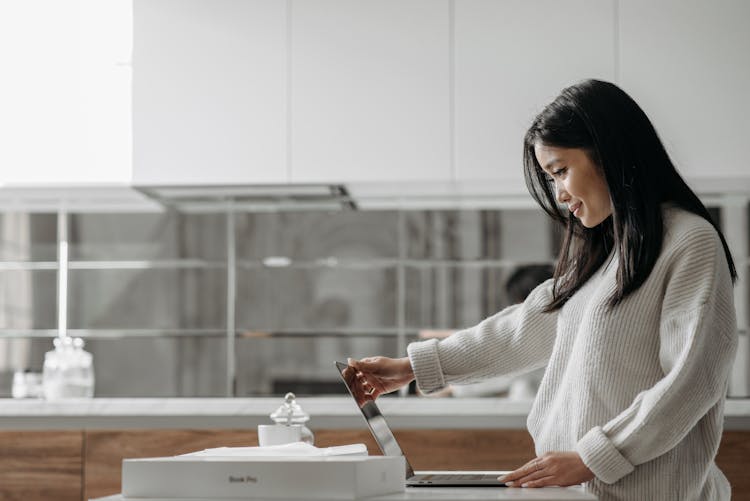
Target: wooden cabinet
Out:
[84,464]
[209,92]
[370,91]
[686,63]
[732,459]
[511,59]
[41,465]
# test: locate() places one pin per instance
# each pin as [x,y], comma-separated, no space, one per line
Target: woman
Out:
[636,329]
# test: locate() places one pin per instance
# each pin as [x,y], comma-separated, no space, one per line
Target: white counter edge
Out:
[240,413]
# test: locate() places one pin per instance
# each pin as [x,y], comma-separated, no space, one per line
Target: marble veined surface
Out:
[462,493]
[325,412]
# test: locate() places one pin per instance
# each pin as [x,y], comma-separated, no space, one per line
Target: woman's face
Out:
[579,183]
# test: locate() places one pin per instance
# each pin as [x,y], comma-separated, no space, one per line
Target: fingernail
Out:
[525,485]
[502,478]
[509,484]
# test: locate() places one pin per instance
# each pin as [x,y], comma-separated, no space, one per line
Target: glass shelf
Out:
[28,265]
[163,264]
[217,332]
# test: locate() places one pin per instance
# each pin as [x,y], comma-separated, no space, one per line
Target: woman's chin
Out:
[590,222]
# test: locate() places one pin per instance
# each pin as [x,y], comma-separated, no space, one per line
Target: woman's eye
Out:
[559,171]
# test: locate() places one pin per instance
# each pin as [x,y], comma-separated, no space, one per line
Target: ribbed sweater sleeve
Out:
[517,338]
[697,343]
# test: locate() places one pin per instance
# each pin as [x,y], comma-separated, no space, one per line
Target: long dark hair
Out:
[604,121]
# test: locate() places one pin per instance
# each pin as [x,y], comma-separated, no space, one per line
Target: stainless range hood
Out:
[251,197]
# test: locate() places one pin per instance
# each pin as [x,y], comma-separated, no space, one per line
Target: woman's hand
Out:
[375,376]
[552,468]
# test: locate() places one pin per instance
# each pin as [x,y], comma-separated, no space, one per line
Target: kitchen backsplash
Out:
[149,291]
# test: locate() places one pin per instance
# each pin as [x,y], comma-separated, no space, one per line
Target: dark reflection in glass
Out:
[29,299]
[28,237]
[147,299]
[147,236]
[159,367]
[470,235]
[316,299]
[453,297]
[272,363]
[306,236]
[715,213]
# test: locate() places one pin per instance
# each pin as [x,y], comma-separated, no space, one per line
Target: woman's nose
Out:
[561,195]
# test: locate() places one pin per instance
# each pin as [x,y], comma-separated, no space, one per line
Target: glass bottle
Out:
[68,370]
[82,381]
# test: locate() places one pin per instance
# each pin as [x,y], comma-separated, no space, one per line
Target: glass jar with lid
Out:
[290,413]
[68,370]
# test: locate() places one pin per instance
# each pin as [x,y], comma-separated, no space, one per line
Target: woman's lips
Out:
[576,208]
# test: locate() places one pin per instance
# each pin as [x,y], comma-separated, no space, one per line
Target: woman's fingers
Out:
[524,481]
[358,384]
[380,375]
[540,482]
[367,387]
[525,470]
[532,474]
[553,468]
[367,364]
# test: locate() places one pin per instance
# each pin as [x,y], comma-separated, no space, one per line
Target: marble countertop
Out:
[463,493]
[325,412]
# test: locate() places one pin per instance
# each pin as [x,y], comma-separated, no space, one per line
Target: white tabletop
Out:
[486,494]
[449,494]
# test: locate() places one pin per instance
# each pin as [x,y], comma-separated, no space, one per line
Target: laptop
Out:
[389,447]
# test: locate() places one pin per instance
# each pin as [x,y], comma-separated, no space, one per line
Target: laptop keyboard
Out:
[456,476]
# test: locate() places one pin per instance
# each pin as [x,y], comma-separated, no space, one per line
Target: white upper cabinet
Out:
[65,92]
[210,92]
[687,64]
[423,91]
[511,59]
[370,90]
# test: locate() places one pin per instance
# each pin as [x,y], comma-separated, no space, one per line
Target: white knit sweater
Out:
[638,391]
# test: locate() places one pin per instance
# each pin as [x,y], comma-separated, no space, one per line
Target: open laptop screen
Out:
[375,420]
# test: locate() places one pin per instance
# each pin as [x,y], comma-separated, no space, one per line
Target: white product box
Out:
[334,477]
